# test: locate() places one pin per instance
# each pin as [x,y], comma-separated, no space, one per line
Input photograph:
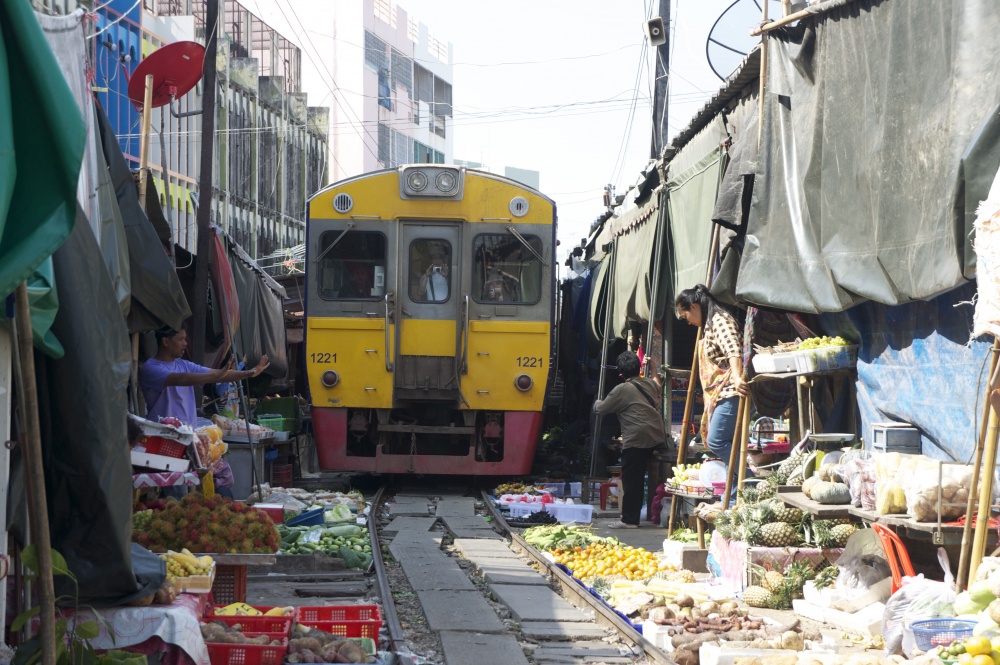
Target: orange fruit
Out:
[995,655]
[981,659]
[978,646]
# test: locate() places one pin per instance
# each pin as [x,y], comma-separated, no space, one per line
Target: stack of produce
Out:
[601,560]
[821,342]
[296,499]
[318,646]
[777,590]
[563,536]
[186,564]
[216,525]
[348,542]
[216,632]
[686,476]
[514,488]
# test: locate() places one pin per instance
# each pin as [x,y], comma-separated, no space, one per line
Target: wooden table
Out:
[699,522]
[789,495]
[946,534]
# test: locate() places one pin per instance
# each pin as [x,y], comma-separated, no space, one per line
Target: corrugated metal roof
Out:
[747,73]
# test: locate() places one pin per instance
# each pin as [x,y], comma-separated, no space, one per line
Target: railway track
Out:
[459,589]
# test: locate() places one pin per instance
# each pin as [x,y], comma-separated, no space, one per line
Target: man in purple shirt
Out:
[167,381]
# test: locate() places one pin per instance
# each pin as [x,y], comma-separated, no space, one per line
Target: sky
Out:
[564,87]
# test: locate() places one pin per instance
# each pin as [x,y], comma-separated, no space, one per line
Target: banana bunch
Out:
[822,342]
[512,488]
[280,612]
[186,564]
[685,473]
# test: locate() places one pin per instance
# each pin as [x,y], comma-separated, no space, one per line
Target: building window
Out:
[384,145]
[402,72]
[421,153]
[376,52]
[412,29]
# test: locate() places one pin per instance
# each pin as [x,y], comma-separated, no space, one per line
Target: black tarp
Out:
[157,297]
[83,406]
[262,319]
[880,137]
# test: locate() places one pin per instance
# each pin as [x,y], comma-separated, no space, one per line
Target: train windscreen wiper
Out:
[511,230]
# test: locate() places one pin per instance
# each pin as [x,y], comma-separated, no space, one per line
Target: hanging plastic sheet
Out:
[38,205]
[693,182]
[83,407]
[157,297]
[262,320]
[635,233]
[915,365]
[879,141]
[598,305]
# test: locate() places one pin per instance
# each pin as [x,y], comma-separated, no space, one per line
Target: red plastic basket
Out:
[281,475]
[342,620]
[246,654]
[256,625]
[157,445]
[230,584]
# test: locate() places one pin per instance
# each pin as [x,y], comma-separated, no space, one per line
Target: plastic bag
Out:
[917,599]
[947,484]
[850,471]
[862,565]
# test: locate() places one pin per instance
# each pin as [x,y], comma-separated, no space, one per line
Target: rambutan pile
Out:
[213,526]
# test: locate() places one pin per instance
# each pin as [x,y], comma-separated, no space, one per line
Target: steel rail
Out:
[396,638]
[603,614]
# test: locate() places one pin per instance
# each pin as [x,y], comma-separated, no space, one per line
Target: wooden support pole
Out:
[147,119]
[745,404]
[733,453]
[31,446]
[964,554]
[986,488]
[784,20]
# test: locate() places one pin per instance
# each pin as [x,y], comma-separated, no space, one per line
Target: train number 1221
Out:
[526,361]
[323,358]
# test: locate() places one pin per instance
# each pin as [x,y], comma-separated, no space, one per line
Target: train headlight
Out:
[523,382]
[427,181]
[416,181]
[446,182]
[330,378]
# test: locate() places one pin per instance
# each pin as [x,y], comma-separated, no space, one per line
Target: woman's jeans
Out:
[721,429]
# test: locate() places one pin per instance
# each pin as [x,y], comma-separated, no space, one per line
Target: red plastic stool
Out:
[895,555]
[605,487]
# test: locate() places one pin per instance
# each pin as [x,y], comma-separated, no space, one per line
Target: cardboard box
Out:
[159,462]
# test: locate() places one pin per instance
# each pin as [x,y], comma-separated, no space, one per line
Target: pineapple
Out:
[766,490]
[839,520]
[787,468]
[724,525]
[841,533]
[748,495]
[826,577]
[784,512]
[772,580]
[756,596]
[778,534]
[796,479]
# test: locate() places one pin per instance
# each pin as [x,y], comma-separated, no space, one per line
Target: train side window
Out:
[430,270]
[505,271]
[352,267]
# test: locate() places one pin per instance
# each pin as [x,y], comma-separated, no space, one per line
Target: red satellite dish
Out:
[176,68]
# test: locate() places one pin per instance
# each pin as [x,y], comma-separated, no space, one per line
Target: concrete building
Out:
[271,148]
[390,79]
[524,176]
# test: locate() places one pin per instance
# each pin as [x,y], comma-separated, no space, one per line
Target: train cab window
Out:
[352,265]
[430,270]
[505,271]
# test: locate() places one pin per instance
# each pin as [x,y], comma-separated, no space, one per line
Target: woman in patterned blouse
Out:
[720,366]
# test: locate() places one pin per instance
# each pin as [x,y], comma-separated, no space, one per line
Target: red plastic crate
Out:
[281,475]
[342,620]
[256,625]
[157,445]
[230,584]
[246,654]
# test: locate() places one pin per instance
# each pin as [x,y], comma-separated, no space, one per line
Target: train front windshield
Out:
[504,270]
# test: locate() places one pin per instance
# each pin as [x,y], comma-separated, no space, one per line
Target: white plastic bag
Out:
[917,599]
[924,487]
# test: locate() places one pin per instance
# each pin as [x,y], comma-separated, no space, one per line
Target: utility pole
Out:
[661,87]
[204,248]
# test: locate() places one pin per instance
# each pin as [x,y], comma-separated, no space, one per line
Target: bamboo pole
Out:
[745,403]
[985,489]
[147,120]
[38,511]
[786,7]
[784,20]
[693,380]
[963,562]
[734,452]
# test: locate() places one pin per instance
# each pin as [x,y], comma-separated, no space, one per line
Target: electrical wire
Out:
[116,21]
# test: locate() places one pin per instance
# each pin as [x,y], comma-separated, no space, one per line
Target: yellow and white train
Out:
[429,321]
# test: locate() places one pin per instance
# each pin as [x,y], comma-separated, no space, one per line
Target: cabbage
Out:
[338,513]
[964,604]
[982,593]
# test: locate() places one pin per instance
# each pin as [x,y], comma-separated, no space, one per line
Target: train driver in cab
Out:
[433,285]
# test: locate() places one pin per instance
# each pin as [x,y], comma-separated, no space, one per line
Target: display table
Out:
[793,496]
[173,629]
[949,533]
[735,557]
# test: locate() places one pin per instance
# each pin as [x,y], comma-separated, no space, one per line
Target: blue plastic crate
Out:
[312,517]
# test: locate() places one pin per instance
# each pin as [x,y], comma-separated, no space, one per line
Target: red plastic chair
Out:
[895,555]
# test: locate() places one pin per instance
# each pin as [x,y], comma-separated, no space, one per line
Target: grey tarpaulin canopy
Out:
[693,182]
[881,135]
[262,319]
[157,296]
[635,235]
